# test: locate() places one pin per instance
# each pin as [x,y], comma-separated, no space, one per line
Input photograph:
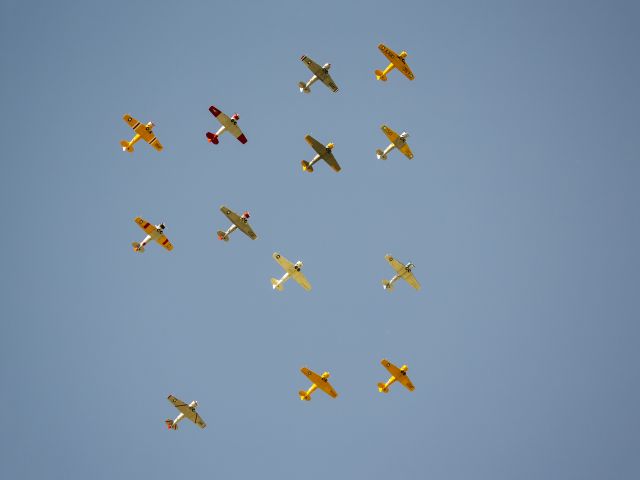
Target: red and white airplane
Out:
[228,124]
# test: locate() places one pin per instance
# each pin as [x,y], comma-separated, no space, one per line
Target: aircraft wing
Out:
[316,145]
[407,151]
[411,280]
[146,226]
[189,412]
[331,160]
[397,266]
[328,81]
[237,132]
[322,383]
[397,61]
[391,135]
[144,131]
[164,241]
[301,279]
[284,263]
[399,375]
[240,222]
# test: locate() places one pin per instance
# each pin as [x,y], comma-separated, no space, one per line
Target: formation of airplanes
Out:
[241,221]
[318,382]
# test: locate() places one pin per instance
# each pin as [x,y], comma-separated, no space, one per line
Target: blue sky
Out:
[518,210]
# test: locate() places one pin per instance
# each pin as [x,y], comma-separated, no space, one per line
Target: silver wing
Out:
[189,412]
[397,266]
[284,263]
[301,279]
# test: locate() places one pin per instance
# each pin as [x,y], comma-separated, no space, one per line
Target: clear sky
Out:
[519,211]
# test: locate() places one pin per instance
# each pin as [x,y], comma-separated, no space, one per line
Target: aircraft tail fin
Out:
[304,88]
[386,284]
[380,154]
[304,396]
[126,146]
[137,247]
[212,137]
[276,285]
[170,424]
[306,167]
[380,75]
[382,388]
[223,236]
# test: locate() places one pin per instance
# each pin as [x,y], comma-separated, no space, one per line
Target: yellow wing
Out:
[164,241]
[146,226]
[398,61]
[391,135]
[407,151]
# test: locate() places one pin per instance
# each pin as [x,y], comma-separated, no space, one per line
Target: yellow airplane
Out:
[397,61]
[397,374]
[142,131]
[319,381]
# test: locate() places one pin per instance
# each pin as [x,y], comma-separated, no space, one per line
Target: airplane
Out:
[142,131]
[397,61]
[154,232]
[319,381]
[188,411]
[397,374]
[319,73]
[239,222]
[291,271]
[228,124]
[397,141]
[402,271]
[322,152]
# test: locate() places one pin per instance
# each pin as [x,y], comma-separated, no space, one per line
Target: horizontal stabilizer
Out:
[387,285]
[126,147]
[306,167]
[381,76]
[304,396]
[223,236]
[276,284]
[136,247]
[382,388]
[212,137]
[170,424]
[380,154]
[303,87]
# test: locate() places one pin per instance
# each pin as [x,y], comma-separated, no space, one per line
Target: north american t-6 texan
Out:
[229,124]
[397,375]
[397,141]
[397,61]
[322,152]
[402,271]
[144,132]
[186,411]
[154,232]
[237,222]
[292,270]
[318,381]
[319,73]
